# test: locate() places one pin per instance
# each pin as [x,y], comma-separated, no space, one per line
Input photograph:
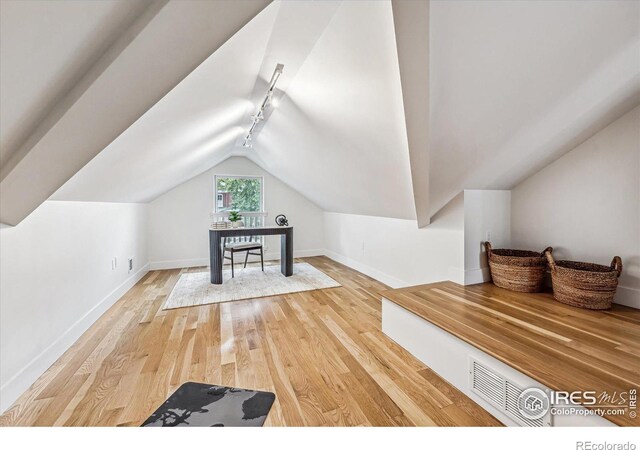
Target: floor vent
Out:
[501,393]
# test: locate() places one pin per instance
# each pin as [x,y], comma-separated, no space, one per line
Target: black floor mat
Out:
[208,405]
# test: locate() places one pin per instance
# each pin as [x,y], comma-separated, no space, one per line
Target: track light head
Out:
[259,116]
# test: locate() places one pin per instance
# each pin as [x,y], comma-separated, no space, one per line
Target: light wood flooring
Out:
[321,352]
[562,347]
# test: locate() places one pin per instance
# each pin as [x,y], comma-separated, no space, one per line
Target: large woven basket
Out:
[585,285]
[517,270]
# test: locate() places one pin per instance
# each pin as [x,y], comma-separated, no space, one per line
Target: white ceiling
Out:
[326,47]
[513,85]
[338,135]
[187,132]
[58,40]
[411,24]
[141,64]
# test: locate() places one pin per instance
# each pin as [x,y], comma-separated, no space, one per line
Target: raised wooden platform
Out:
[562,347]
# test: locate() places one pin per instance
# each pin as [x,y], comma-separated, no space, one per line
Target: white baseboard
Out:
[627,296]
[456,275]
[389,280]
[199,262]
[178,263]
[21,381]
[477,276]
[270,256]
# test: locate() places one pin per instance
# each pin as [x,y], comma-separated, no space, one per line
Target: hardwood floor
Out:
[321,352]
[563,347]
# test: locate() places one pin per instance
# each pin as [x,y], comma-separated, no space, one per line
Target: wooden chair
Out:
[239,247]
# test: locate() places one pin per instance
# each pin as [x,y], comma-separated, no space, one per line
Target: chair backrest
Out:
[254,219]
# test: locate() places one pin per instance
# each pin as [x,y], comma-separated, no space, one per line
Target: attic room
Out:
[306,213]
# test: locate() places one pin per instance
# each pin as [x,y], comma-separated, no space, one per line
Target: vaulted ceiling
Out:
[338,134]
[516,84]
[511,86]
[57,43]
[100,89]
[339,124]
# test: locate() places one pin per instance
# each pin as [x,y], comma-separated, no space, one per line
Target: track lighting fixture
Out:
[259,116]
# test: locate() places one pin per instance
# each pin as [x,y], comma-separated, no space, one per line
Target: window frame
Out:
[252,177]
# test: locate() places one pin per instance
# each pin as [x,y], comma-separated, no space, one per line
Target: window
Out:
[234,193]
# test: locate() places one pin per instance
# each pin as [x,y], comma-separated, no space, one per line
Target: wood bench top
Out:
[562,347]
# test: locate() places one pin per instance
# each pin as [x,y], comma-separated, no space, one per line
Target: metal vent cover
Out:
[501,393]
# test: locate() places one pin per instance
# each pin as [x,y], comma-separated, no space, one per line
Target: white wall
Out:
[179,220]
[56,280]
[487,216]
[396,251]
[587,204]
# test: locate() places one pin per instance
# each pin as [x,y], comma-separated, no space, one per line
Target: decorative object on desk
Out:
[220,225]
[517,270]
[235,219]
[281,220]
[195,288]
[208,405]
[585,285]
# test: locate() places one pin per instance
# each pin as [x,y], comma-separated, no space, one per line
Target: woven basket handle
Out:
[548,249]
[487,247]
[616,265]
[552,262]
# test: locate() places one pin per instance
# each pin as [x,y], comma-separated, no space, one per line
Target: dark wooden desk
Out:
[216,255]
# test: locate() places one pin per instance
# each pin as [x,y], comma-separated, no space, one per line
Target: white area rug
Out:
[193,289]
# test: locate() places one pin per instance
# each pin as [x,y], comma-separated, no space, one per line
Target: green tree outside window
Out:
[239,194]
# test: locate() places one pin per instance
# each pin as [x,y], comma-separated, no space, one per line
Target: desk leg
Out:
[215,259]
[286,253]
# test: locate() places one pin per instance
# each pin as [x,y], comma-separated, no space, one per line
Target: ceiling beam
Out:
[411,22]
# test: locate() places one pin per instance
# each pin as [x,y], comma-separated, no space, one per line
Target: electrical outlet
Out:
[130,264]
[114,263]
[488,236]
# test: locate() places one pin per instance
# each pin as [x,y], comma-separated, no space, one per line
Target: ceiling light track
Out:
[259,116]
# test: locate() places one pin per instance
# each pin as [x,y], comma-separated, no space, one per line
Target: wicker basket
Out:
[517,270]
[585,285]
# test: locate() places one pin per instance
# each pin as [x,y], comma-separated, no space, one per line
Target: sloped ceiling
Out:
[338,134]
[58,41]
[339,118]
[411,23]
[512,86]
[200,122]
[188,131]
[516,84]
[133,68]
